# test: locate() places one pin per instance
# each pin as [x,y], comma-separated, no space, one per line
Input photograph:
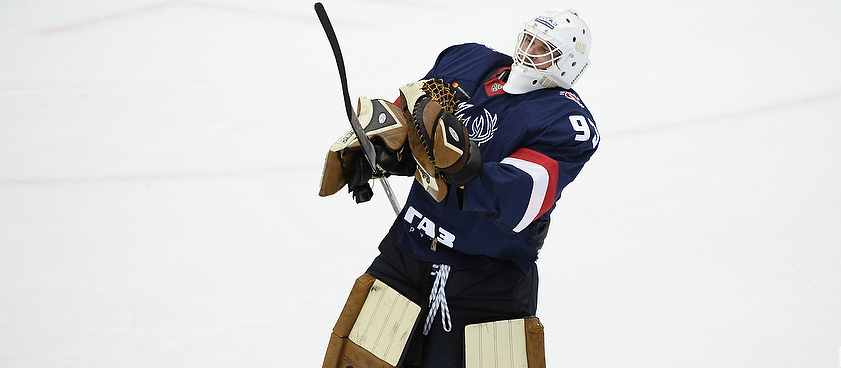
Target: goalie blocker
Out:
[376,323]
[345,163]
[423,126]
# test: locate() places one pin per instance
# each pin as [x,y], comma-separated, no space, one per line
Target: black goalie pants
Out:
[472,296]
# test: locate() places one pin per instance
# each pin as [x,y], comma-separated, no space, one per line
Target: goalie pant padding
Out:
[341,352]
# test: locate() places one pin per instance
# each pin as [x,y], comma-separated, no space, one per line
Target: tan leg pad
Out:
[373,328]
[353,305]
[512,343]
[535,350]
[343,353]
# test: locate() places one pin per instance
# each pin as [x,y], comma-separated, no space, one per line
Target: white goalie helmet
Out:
[552,50]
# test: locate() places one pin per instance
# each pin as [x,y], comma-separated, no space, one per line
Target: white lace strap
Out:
[437,299]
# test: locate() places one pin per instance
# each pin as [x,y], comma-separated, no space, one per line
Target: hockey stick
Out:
[367,146]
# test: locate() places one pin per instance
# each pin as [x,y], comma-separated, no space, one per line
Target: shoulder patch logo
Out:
[573,97]
[493,87]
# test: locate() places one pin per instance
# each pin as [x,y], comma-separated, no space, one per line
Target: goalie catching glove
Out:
[439,142]
[385,126]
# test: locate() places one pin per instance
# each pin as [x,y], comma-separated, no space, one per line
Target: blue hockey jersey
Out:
[533,145]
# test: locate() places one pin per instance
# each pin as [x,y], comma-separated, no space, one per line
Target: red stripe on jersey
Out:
[551,167]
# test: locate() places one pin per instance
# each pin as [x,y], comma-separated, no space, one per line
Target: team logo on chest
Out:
[481,127]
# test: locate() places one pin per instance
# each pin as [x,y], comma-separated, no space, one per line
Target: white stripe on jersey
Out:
[540,182]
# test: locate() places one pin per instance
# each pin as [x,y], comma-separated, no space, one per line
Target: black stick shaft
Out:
[367,146]
[337,52]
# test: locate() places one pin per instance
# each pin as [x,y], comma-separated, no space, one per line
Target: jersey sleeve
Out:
[527,183]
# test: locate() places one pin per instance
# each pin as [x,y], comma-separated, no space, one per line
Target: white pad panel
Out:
[496,344]
[385,323]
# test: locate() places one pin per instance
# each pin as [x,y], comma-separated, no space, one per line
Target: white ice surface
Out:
[159,164]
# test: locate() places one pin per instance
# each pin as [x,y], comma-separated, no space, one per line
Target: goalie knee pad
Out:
[373,329]
[511,343]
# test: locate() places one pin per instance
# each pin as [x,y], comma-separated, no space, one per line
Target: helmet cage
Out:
[550,55]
